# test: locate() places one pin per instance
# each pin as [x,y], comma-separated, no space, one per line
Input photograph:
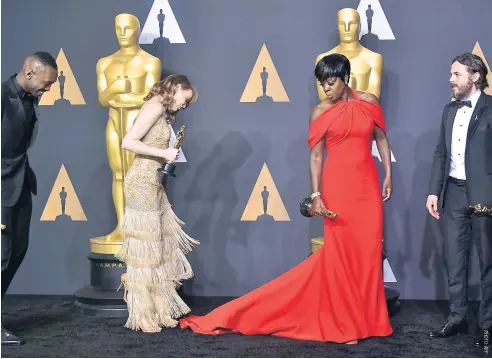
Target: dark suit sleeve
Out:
[488,146]
[440,157]
[4,97]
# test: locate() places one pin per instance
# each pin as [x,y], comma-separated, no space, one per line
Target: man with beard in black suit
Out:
[462,176]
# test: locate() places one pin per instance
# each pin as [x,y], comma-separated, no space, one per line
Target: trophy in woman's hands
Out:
[168,167]
[306,211]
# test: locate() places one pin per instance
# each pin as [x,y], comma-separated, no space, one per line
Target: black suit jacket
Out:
[15,143]
[478,154]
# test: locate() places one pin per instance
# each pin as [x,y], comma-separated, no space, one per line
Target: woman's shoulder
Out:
[154,107]
[319,109]
[368,97]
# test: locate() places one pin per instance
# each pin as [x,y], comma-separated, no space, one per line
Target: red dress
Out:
[336,294]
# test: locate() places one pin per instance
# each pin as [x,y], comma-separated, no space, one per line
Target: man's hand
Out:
[432,206]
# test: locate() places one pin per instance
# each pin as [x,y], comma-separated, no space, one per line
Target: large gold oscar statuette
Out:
[168,167]
[481,210]
[123,80]
[366,66]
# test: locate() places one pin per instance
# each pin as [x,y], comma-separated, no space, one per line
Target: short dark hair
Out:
[474,63]
[333,65]
[46,59]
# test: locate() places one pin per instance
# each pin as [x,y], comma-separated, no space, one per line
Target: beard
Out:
[462,91]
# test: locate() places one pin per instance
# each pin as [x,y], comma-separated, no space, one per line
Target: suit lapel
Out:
[36,123]
[16,102]
[477,115]
[449,126]
[20,111]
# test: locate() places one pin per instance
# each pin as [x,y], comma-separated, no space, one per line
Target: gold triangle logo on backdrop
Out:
[65,90]
[477,50]
[264,84]
[63,203]
[265,204]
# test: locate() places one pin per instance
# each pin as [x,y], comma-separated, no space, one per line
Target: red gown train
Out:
[336,294]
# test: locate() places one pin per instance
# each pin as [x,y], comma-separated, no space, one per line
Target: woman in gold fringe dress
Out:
[155,245]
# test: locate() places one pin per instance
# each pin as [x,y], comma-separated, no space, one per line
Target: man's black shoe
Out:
[449,329]
[8,338]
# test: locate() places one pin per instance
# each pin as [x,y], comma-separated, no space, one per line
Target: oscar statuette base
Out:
[391,294]
[101,297]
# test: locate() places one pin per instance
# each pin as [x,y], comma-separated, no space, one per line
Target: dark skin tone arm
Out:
[316,162]
[383,146]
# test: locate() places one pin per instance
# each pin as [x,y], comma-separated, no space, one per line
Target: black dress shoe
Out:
[449,329]
[483,337]
[8,338]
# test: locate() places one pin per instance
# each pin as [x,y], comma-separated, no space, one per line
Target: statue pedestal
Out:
[101,297]
[392,295]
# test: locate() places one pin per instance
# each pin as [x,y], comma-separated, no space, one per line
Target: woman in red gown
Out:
[336,294]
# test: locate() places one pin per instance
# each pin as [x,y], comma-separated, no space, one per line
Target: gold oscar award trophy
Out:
[123,80]
[366,66]
[481,209]
[306,211]
[366,71]
[168,167]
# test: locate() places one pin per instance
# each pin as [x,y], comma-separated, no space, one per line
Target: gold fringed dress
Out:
[155,245]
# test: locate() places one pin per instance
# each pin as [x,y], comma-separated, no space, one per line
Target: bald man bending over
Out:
[20,96]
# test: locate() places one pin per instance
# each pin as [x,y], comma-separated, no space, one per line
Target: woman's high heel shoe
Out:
[124,278]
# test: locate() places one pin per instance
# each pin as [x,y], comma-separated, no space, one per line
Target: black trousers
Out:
[461,228]
[15,237]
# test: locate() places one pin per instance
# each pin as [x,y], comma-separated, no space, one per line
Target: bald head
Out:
[38,73]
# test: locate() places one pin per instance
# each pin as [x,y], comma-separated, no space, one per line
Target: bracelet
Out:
[315,194]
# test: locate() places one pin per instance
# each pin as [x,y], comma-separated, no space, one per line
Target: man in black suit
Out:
[20,94]
[462,176]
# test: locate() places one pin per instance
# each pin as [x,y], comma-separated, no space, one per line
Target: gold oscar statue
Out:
[169,167]
[180,137]
[306,211]
[123,80]
[481,210]
[366,65]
